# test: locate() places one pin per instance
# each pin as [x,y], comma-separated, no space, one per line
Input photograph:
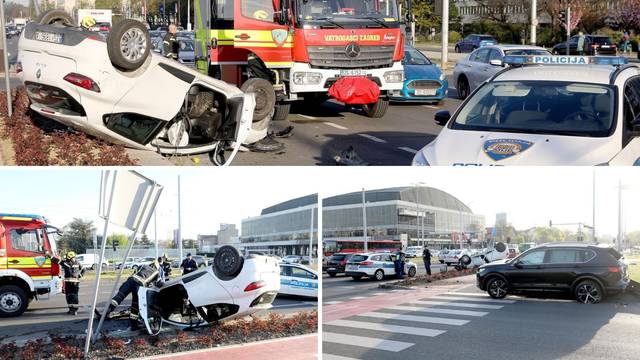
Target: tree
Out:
[190,244]
[77,236]
[144,240]
[123,239]
[626,14]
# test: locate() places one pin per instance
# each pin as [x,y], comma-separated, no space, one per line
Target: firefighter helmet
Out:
[71,255]
[87,22]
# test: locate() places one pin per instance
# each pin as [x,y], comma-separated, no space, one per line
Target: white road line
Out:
[482,294]
[366,342]
[331,302]
[373,138]
[388,328]
[439,311]
[308,117]
[408,149]
[335,357]
[456,304]
[425,319]
[336,125]
[462,298]
[358,297]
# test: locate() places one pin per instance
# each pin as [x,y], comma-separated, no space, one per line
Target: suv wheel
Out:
[588,292]
[412,272]
[497,288]
[379,275]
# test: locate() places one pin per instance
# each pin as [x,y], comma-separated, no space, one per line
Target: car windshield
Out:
[359,9]
[186,45]
[540,107]
[338,257]
[358,258]
[527,52]
[414,57]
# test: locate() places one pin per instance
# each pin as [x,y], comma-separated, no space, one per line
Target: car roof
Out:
[572,245]
[514,47]
[594,74]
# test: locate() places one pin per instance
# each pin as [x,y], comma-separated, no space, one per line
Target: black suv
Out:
[586,271]
[593,45]
[336,263]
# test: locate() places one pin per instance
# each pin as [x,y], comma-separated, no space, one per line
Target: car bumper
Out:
[333,269]
[408,94]
[617,287]
[480,282]
[357,273]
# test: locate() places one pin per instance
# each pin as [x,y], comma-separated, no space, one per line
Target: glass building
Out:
[284,228]
[401,216]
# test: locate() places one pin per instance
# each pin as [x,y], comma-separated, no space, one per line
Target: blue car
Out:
[424,81]
[473,42]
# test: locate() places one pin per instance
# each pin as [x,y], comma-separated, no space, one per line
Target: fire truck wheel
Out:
[282,111]
[376,109]
[13,301]
[58,17]
[265,96]
[227,262]
[128,44]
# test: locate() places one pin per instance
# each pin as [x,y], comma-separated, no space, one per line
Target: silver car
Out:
[485,62]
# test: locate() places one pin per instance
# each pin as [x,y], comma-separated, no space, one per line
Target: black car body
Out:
[593,45]
[336,263]
[588,272]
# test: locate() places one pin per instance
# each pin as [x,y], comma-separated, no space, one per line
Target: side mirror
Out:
[518,264]
[442,117]
[496,62]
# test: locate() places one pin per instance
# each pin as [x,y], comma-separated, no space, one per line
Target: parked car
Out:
[336,264]
[442,255]
[453,257]
[589,272]
[90,261]
[141,261]
[470,72]
[376,266]
[512,252]
[297,279]
[473,42]
[186,54]
[413,251]
[128,264]
[11,31]
[593,45]
[292,259]
[424,81]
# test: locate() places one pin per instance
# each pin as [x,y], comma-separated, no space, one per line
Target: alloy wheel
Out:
[588,293]
[498,288]
[133,44]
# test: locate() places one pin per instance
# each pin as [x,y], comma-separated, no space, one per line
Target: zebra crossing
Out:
[441,313]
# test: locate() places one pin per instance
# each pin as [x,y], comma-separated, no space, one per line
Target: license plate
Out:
[353,72]
[49,37]
[331,268]
[425,92]
[605,46]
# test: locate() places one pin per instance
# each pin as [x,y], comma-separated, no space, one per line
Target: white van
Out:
[89,261]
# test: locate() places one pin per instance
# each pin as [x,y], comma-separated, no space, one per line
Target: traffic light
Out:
[115,244]
[563,16]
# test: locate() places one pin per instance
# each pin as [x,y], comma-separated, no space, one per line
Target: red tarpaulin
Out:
[355,90]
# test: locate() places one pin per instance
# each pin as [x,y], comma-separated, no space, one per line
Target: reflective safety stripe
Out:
[114,303]
[72,280]
[133,316]
[279,64]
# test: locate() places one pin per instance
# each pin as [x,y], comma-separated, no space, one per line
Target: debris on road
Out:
[350,157]
[285,133]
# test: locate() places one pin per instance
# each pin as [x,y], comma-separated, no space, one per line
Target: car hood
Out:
[495,264]
[431,72]
[463,147]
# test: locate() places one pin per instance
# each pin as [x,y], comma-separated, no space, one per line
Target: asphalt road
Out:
[467,324]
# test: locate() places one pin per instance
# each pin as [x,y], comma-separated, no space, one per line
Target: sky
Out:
[530,196]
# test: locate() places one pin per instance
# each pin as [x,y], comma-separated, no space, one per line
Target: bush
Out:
[454,37]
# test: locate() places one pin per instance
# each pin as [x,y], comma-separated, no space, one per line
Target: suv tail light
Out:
[255,285]
[614,269]
[82,81]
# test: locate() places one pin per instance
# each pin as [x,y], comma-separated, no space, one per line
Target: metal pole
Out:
[5,59]
[620,231]
[188,15]
[311,238]
[179,221]
[445,34]
[534,20]
[364,221]
[568,28]
[593,208]
[155,231]
[415,197]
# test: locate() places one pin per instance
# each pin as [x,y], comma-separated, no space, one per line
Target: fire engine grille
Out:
[335,57]
[424,84]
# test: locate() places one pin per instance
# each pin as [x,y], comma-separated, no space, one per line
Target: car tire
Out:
[497,287]
[448,264]
[412,272]
[13,301]
[332,274]
[465,260]
[137,48]
[58,17]
[376,109]
[265,97]
[463,88]
[202,102]
[282,111]
[588,292]
[93,267]
[457,49]
[378,275]
[356,278]
[227,263]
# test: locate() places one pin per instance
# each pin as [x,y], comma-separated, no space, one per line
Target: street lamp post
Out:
[364,221]
[534,20]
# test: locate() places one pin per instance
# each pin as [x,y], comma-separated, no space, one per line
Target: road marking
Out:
[335,357]
[373,138]
[482,294]
[358,297]
[445,297]
[388,328]
[336,125]
[308,117]
[408,149]
[431,107]
[439,311]
[456,304]
[331,302]
[366,342]
[425,319]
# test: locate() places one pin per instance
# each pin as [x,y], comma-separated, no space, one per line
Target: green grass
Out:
[634,270]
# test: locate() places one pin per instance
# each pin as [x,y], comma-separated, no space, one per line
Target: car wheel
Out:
[465,260]
[356,278]
[457,49]
[135,268]
[282,111]
[13,301]
[497,288]
[128,44]
[201,265]
[93,267]
[332,274]
[588,292]
[412,272]
[463,88]
[448,264]
[378,275]
[155,324]
[227,263]
[376,109]
[58,17]
[265,96]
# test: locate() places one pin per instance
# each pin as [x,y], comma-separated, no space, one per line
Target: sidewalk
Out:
[303,347]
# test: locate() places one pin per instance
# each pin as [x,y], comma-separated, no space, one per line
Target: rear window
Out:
[359,258]
[338,257]
[602,40]
[569,256]
[613,252]
[487,38]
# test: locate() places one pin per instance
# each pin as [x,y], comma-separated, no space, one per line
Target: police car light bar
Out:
[563,60]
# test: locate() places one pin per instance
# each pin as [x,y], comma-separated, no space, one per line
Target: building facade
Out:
[228,234]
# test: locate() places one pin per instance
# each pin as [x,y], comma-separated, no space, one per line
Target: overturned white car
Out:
[233,286]
[118,90]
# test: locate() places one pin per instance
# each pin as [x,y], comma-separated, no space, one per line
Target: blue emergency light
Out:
[563,60]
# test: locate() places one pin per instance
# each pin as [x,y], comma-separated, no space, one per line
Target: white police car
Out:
[545,110]
[296,279]
[376,266]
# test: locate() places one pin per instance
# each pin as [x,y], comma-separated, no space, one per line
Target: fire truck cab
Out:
[29,264]
[297,49]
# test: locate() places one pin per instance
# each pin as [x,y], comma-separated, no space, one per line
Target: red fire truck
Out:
[29,264]
[298,49]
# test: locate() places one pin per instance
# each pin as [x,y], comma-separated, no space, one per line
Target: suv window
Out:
[387,258]
[533,258]
[27,240]
[480,55]
[359,258]
[337,257]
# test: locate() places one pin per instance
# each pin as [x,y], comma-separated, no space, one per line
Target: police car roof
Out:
[514,47]
[595,74]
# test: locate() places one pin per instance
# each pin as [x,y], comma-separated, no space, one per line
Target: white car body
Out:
[454,256]
[296,279]
[210,297]
[374,263]
[462,147]
[152,95]
[413,251]
[90,261]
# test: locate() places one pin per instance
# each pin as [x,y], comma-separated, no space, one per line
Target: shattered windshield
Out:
[385,10]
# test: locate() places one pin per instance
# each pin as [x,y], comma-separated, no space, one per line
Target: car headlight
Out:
[307,78]
[394,76]
[442,76]
[419,160]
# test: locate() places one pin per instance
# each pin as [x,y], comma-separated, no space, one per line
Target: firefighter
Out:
[188,265]
[170,44]
[73,271]
[87,22]
[165,267]
[144,276]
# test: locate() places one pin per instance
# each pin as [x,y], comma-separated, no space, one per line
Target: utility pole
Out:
[445,34]
[5,59]
[534,20]
[364,221]
[620,230]
[568,27]
[593,208]
[179,221]
[311,238]
[188,15]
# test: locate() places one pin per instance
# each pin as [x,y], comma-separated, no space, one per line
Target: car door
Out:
[386,263]
[478,63]
[562,265]
[630,125]
[303,282]
[490,69]
[573,46]
[525,272]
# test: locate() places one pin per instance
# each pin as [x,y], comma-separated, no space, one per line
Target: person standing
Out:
[426,258]
[580,46]
[188,265]
[165,267]
[170,43]
[73,271]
